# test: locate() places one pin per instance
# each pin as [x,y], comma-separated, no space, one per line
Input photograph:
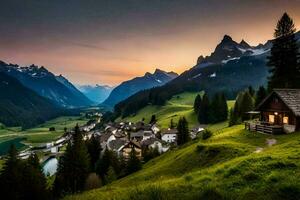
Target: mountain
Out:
[128,88]
[76,92]
[228,50]
[20,106]
[96,93]
[46,84]
[231,68]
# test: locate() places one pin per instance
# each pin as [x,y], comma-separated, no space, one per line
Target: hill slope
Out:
[130,87]
[46,84]
[19,106]
[227,166]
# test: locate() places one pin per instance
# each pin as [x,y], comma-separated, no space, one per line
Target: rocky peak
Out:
[244,44]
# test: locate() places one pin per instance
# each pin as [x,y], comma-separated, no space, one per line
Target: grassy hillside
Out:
[36,136]
[179,105]
[233,164]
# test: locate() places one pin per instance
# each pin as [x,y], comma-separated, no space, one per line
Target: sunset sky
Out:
[109,41]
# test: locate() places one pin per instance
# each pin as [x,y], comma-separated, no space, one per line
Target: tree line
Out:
[211,110]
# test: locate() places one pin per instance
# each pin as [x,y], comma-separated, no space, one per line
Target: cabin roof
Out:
[290,97]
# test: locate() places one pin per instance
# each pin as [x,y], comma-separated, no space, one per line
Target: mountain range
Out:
[96,93]
[130,87]
[231,68]
[55,88]
[20,106]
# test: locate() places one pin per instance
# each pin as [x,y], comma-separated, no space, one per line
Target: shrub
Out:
[206,134]
[52,129]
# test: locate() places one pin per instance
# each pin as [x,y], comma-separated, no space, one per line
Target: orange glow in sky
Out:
[111,52]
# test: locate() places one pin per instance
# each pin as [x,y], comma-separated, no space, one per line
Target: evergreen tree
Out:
[172,124]
[183,131]
[197,103]
[261,94]
[11,176]
[133,164]
[153,119]
[223,107]
[111,175]
[94,150]
[103,163]
[33,180]
[247,104]
[73,167]
[284,59]
[251,91]
[203,115]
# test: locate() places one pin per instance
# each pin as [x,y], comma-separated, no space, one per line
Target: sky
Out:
[110,41]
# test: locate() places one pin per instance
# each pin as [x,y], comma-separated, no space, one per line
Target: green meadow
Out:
[37,135]
[232,164]
[179,105]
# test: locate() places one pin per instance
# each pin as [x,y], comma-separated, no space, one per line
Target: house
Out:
[279,112]
[126,149]
[153,143]
[170,135]
[195,131]
[116,144]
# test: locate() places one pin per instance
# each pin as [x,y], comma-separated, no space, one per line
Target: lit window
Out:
[271,118]
[285,120]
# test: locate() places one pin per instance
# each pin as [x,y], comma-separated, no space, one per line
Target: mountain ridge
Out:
[132,86]
[59,90]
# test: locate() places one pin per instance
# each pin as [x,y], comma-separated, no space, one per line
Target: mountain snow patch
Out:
[213,75]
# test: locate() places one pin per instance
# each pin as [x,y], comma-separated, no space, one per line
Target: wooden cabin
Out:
[279,112]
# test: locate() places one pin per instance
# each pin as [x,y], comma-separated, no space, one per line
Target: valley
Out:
[38,135]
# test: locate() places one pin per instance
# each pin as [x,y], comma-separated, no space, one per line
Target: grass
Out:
[37,135]
[224,166]
[178,106]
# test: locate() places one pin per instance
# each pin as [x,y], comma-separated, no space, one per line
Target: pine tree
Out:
[261,94]
[104,163]
[197,103]
[284,59]
[94,150]
[33,180]
[73,167]
[172,125]
[251,91]
[153,119]
[133,164]
[246,105]
[111,175]
[223,107]
[11,176]
[204,110]
[183,131]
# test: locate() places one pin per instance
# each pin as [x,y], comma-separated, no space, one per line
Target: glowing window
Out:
[271,118]
[285,120]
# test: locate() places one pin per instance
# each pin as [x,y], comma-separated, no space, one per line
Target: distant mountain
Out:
[228,50]
[96,93]
[128,88]
[46,84]
[20,106]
